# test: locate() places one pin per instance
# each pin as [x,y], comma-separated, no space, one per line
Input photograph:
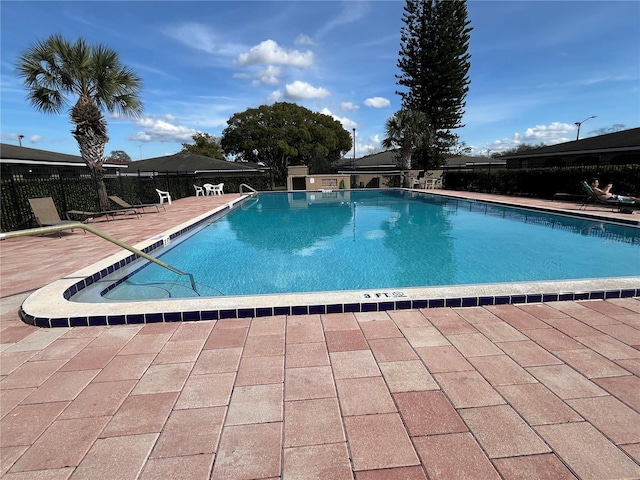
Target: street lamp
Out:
[20,137]
[580,123]
[353,164]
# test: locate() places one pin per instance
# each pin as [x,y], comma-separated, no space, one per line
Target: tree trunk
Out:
[91,135]
[406,166]
[101,188]
[92,152]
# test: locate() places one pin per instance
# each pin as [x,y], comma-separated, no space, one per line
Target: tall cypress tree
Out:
[435,62]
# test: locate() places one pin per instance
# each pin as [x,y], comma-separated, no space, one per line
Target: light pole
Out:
[580,123]
[353,164]
[20,137]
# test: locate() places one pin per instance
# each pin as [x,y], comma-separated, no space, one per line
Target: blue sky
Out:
[537,67]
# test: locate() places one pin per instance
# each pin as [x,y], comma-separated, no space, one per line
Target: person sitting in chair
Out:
[605,193]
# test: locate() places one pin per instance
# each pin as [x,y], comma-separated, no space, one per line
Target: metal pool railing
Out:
[70,226]
[253,190]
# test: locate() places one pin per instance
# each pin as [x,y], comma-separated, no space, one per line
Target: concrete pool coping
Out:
[50,306]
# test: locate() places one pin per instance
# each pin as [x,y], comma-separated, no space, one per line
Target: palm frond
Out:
[55,70]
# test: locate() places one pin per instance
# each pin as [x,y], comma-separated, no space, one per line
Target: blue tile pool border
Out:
[348,307]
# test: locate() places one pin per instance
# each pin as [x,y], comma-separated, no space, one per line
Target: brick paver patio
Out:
[544,391]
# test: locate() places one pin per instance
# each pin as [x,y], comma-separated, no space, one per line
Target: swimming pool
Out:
[410,249]
[364,240]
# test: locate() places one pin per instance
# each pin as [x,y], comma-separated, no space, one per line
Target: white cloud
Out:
[364,146]
[269,52]
[304,40]
[347,123]
[377,102]
[349,106]
[156,72]
[200,37]
[275,96]
[369,146]
[268,76]
[556,132]
[193,35]
[17,138]
[351,12]
[161,130]
[303,91]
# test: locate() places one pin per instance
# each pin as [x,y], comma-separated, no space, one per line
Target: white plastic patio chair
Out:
[199,190]
[208,188]
[214,189]
[164,196]
[218,189]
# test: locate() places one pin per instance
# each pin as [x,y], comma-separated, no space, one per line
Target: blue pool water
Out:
[358,240]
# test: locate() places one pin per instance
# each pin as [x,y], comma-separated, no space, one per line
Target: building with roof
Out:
[618,148]
[34,163]
[27,162]
[193,164]
[381,169]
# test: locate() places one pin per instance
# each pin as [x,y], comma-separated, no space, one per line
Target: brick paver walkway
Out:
[545,391]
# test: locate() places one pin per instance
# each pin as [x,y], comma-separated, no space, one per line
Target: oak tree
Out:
[285,134]
[205,145]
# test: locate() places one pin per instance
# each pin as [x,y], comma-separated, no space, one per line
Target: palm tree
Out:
[55,71]
[406,130]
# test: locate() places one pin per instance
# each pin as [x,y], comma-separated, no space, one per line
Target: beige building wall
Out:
[328,182]
[299,179]
[300,173]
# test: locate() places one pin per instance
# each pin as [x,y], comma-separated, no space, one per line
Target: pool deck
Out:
[545,391]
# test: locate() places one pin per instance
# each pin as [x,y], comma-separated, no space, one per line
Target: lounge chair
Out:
[123,204]
[86,215]
[164,196]
[46,213]
[619,204]
[199,190]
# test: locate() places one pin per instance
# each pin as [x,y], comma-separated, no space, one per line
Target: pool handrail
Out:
[253,190]
[68,226]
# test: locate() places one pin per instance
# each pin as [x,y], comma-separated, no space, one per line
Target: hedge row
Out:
[544,182]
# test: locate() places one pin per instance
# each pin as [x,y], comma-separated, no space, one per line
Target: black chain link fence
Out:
[544,182]
[77,190]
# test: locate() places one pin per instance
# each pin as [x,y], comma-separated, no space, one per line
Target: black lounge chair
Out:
[46,213]
[123,204]
[86,215]
[621,205]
